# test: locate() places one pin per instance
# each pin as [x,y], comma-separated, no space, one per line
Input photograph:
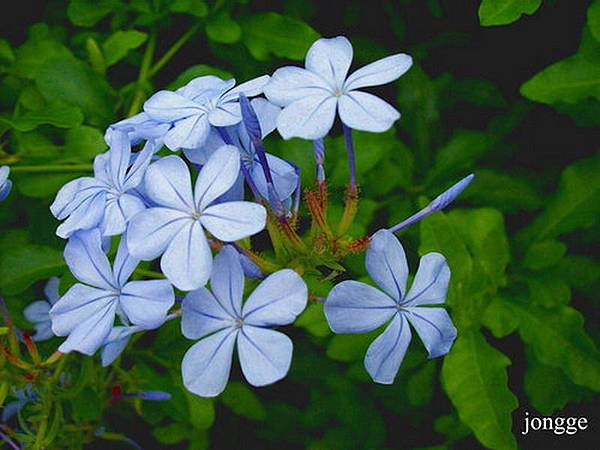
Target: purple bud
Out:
[446,197]
[155,396]
[250,120]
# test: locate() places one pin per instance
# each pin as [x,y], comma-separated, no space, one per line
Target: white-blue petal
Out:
[250,88]
[152,230]
[37,311]
[285,178]
[190,132]
[202,314]
[232,221]
[206,365]
[290,84]
[51,290]
[362,111]
[431,281]
[309,118]
[227,281]
[355,307]
[277,300]
[386,353]
[379,72]
[434,327]
[331,59]
[187,261]
[265,355]
[217,176]
[115,344]
[146,303]
[167,106]
[168,183]
[386,263]
[225,114]
[84,256]
[124,264]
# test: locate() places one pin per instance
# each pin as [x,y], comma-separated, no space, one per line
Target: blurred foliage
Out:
[520,245]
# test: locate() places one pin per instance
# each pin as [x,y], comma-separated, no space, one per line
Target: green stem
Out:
[53,168]
[173,49]
[149,273]
[138,96]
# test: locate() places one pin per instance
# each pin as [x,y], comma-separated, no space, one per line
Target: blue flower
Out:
[107,200]
[354,307]
[175,229]
[24,396]
[311,96]
[5,183]
[139,128]
[220,320]
[39,311]
[86,313]
[116,342]
[284,175]
[193,108]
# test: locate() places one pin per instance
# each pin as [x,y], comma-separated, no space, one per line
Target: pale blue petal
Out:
[139,127]
[200,155]
[4,172]
[330,59]
[92,332]
[362,111]
[235,193]
[115,344]
[435,328]
[225,115]
[285,178]
[62,205]
[136,172]
[309,118]
[152,230]
[227,281]
[379,72]
[167,106]
[124,263]
[267,114]
[51,290]
[386,353]
[431,281]
[168,183]
[190,132]
[206,365]
[101,169]
[202,314]
[250,88]
[265,355]
[84,256]
[354,307]
[118,213]
[37,311]
[217,176]
[290,84]
[119,156]
[232,221]
[187,262]
[205,87]
[43,331]
[5,189]
[277,300]
[386,263]
[146,303]
[79,303]
[87,215]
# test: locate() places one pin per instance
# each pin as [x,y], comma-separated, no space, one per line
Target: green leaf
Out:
[569,80]
[548,289]
[21,266]
[198,70]
[7,56]
[420,385]
[86,13]
[243,401]
[87,405]
[195,8]
[72,81]
[474,377]
[120,43]
[502,12]
[541,255]
[221,28]
[500,318]
[201,411]
[504,191]
[457,157]
[559,340]
[271,33]
[476,91]
[44,185]
[548,388]
[350,347]
[579,271]
[575,205]
[34,53]
[313,320]
[84,143]
[171,434]
[593,17]
[56,113]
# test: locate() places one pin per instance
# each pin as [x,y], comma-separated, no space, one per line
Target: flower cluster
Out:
[181,196]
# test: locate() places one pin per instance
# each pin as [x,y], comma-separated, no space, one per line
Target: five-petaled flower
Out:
[193,108]
[220,320]
[108,200]
[175,228]
[38,312]
[311,96]
[354,307]
[86,313]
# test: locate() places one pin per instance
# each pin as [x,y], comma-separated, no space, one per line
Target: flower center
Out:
[239,323]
